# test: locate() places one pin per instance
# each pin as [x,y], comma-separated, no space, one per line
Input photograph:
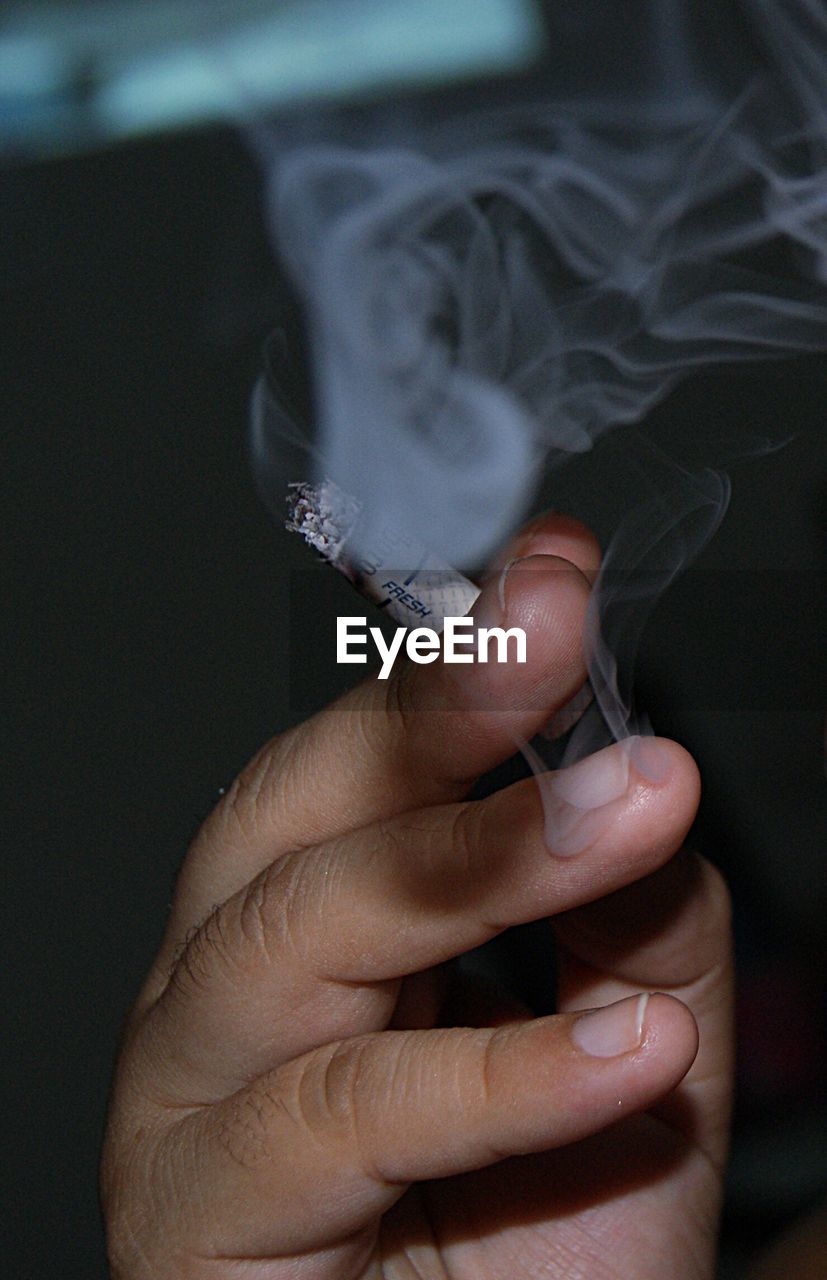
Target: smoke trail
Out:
[501,290]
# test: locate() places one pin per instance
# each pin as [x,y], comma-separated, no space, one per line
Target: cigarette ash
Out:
[323,514]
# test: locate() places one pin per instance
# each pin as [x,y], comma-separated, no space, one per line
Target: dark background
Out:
[148,607]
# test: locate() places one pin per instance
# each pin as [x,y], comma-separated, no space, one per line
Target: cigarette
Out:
[400,576]
[327,518]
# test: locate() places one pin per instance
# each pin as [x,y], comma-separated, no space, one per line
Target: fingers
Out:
[670,929]
[314,949]
[419,738]
[346,1128]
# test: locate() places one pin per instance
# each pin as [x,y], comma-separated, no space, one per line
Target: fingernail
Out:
[592,782]
[492,606]
[648,758]
[507,567]
[605,1033]
[579,801]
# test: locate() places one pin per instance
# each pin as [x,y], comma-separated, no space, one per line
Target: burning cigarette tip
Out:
[324,516]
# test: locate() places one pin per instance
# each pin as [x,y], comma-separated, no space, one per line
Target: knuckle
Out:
[268,916]
[239,936]
[370,710]
[281,912]
[490,1055]
[343,1083]
[467,840]
[396,838]
[254,910]
[244,1125]
[284,911]
[293,906]
[335,1098]
[492,1090]
[202,949]
[328,1089]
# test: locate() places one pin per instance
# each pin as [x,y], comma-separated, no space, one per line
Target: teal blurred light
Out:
[321,50]
[77,77]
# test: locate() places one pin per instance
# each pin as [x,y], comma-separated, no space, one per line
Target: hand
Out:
[310,1089]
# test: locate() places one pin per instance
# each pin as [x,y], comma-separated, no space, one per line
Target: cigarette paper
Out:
[400,576]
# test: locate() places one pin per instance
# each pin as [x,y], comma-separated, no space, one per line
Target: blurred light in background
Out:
[77,76]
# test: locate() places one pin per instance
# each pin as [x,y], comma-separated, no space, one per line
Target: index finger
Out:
[420,738]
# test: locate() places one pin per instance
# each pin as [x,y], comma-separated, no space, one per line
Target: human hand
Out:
[309,1089]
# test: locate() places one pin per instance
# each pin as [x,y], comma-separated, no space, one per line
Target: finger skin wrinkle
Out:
[243,1128]
[333,1094]
[490,1050]
[496,1049]
[181,949]
[244,801]
[396,1082]
[468,850]
[206,944]
[258,1127]
[287,909]
[270,915]
[127,1256]
[252,915]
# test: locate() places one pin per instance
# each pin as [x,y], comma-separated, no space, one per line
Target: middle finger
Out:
[316,946]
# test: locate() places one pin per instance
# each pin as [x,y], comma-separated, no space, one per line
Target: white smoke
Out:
[493,293]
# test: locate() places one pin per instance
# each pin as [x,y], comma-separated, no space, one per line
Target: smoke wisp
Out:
[488,295]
